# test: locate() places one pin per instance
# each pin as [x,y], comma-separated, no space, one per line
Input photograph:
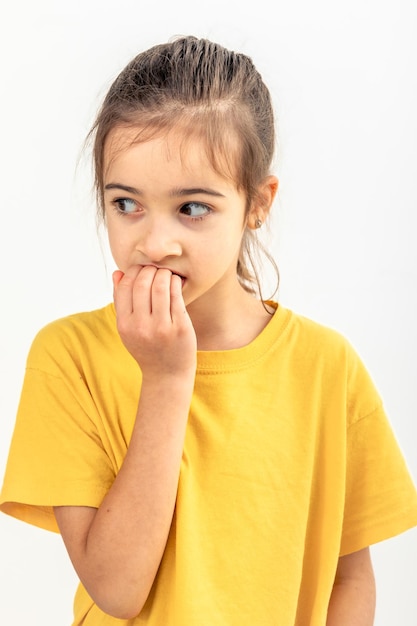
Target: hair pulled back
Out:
[209,91]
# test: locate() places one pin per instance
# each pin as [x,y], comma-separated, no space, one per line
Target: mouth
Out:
[182,278]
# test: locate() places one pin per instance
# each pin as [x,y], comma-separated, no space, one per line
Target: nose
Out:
[159,241]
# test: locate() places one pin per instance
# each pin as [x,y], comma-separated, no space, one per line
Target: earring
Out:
[258,223]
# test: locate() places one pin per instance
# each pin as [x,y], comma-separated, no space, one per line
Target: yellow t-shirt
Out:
[288,463]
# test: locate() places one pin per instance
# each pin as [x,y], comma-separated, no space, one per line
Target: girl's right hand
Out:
[153,322]
[117,548]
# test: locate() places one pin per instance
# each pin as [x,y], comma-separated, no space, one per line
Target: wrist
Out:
[174,383]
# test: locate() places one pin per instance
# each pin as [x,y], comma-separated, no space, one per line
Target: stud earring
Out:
[258,223]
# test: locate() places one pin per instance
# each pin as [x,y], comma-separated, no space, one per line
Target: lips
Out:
[182,278]
[167,268]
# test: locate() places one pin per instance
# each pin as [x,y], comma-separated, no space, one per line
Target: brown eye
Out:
[125,205]
[195,209]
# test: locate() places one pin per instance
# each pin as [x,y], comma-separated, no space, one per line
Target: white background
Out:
[344,81]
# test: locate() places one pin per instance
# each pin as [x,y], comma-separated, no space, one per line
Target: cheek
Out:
[118,245]
[117,233]
[218,254]
[113,240]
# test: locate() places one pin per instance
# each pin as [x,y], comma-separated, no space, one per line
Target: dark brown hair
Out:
[210,91]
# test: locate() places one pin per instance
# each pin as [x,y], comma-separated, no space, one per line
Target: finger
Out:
[141,291]
[123,286]
[117,276]
[161,297]
[177,303]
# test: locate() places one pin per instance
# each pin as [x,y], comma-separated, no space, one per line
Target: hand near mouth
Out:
[153,322]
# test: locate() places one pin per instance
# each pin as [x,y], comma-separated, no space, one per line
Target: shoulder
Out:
[314,339]
[84,319]
[324,354]
[73,335]
[317,339]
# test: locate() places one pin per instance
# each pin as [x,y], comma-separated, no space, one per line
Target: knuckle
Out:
[162,331]
[159,288]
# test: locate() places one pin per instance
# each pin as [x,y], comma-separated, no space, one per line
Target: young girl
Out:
[210,459]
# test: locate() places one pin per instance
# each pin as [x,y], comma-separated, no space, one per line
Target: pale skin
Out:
[175,227]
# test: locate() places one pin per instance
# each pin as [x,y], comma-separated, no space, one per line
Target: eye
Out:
[125,205]
[195,210]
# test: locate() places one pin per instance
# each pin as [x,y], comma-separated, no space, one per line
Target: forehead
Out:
[191,147]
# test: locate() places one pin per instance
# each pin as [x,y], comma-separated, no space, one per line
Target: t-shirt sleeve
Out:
[381,498]
[56,455]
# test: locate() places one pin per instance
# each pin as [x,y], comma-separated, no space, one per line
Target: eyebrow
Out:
[176,192]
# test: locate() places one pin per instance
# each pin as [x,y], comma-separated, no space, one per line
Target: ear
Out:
[262,203]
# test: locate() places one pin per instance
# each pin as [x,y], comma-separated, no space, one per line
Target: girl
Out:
[209,458]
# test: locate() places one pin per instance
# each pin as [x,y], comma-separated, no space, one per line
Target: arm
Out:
[116,549]
[352,602]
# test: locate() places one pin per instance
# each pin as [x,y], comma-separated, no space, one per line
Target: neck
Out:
[232,322]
